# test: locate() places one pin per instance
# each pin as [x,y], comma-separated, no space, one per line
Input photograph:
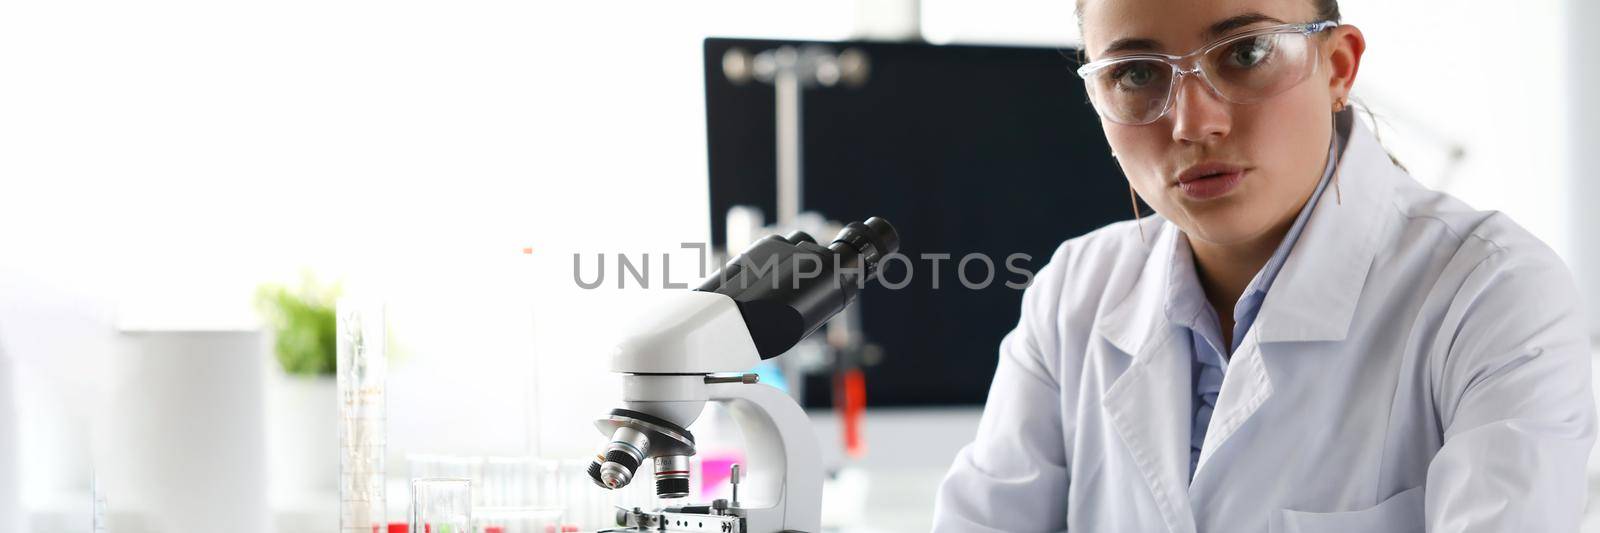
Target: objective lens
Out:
[672,476]
[619,459]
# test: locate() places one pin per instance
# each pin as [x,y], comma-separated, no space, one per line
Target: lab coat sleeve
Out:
[1514,400]
[1013,476]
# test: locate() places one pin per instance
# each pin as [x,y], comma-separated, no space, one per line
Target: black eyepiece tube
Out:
[870,241]
[787,287]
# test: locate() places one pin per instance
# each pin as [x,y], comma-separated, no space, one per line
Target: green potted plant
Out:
[302,325]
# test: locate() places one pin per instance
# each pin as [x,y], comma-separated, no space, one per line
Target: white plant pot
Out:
[302,439]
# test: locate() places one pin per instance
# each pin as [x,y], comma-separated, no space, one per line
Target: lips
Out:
[1210,180]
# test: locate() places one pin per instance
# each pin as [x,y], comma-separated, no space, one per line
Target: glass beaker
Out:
[441,505]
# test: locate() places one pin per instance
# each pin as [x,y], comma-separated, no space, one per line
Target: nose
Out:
[1198,114]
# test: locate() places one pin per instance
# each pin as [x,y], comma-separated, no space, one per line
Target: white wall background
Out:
[176,153]
[163,157]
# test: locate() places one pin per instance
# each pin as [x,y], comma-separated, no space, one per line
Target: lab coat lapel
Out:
[1149,403]
[1315,295]
[1245,388]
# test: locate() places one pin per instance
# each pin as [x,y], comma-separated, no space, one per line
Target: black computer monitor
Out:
[966,149]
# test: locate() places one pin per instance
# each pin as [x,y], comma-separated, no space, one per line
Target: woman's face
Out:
[1278,146]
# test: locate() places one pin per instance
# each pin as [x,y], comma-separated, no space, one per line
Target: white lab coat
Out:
[1416,366]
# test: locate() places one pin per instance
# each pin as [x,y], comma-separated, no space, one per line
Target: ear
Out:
[1344,48]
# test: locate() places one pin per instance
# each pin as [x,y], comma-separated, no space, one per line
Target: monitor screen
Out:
[967,150]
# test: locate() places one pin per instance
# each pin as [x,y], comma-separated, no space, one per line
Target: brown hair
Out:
[1326,10]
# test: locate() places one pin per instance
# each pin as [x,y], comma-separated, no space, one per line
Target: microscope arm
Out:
[778,437]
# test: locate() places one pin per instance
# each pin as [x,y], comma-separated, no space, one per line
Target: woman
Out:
[1301,339]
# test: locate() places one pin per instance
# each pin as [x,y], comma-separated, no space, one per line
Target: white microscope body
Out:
[693,349]
[670,380]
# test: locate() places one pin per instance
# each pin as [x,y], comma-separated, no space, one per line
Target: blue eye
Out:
[1250,52]
[1133,75]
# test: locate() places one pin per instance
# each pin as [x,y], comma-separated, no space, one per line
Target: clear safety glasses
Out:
[1244,68]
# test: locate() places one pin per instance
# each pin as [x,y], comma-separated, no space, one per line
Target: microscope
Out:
[695,348]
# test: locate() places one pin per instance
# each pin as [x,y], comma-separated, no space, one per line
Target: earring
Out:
[1338,104]
[1338,194]
[1133,198]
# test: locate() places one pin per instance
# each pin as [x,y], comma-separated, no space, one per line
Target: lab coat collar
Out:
[1131,323]
[1314,297]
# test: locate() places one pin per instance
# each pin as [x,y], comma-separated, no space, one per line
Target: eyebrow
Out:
[1228,25]
[1218,29]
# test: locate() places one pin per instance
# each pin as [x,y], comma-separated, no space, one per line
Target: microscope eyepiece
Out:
[888,237]
[870,241]
[787,287]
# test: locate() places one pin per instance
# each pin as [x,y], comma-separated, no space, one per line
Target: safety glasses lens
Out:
[1251,69]
[1242,70]
[1133,91]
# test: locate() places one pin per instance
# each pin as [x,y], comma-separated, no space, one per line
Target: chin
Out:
[1224,226]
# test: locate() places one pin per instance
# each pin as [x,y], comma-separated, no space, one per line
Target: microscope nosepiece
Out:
[635,437]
